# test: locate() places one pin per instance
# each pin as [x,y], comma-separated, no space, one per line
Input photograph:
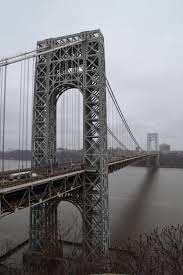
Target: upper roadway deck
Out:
[34,191]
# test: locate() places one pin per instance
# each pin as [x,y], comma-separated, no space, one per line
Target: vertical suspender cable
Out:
[63,124]
[77,112]
[69,124]
[110,123]
[75,121]
[112,130]
[20,118]
[66,122]
[23,111]
[116,130]
[120,113]
[122,140]
[61,118]
[65,114]
[1,104]
[78,126]
[27,112]
[32,106]
[4,113]
[110,119]
[74,118]
[71,119]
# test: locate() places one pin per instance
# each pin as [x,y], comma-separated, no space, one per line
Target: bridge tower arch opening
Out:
[75,61]
[69,128]
[69,223]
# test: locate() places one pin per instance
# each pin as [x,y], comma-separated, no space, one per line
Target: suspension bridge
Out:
[68,116]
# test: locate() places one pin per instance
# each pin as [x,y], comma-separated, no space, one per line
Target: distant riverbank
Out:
[172,159]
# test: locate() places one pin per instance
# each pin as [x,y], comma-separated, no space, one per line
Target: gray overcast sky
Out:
[144,51]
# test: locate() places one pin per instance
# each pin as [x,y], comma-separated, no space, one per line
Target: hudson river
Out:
[139,201]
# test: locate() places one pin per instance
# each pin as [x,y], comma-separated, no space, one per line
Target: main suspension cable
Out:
[120,113]
[116,139]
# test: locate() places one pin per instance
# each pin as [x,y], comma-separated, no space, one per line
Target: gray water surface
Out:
[138,199]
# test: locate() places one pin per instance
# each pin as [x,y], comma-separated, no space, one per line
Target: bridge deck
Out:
[26,194]
[38,182]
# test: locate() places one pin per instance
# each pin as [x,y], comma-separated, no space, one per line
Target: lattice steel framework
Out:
[80,64]
[152,138]
[43,227]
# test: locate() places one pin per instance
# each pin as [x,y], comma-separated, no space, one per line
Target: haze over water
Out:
[139,201]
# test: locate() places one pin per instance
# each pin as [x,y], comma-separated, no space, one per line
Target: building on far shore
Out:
[164,148]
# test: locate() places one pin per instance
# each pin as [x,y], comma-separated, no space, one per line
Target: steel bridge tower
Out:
[153,146]
[74,61]
[152,138]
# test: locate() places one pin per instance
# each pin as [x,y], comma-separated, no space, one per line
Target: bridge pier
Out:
[156,162]
[43,228]
[153,162]
[43,231]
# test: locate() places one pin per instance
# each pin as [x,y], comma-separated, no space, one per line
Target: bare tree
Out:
[157,253]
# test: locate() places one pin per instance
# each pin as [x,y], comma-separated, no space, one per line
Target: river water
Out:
[139,201]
